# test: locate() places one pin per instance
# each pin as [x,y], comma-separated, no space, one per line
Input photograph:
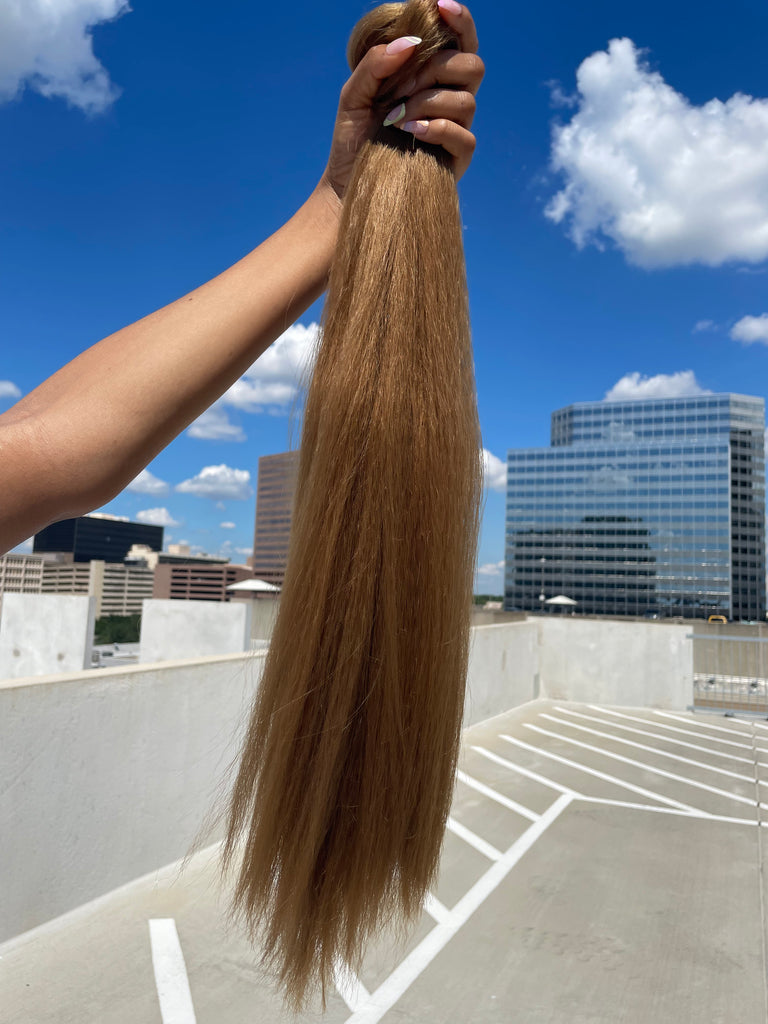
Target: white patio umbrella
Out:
[561,601]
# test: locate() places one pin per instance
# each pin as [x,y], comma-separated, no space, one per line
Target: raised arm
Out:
[79,438]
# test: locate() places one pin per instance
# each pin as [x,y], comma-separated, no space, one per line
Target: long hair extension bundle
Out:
[347,772]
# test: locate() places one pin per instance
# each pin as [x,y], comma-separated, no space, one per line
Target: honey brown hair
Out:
[347,772]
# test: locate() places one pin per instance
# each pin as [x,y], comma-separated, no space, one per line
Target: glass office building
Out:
[642,508]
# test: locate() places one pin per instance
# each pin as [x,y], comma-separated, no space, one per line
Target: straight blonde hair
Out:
[347,772]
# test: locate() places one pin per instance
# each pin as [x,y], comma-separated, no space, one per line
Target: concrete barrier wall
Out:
[109,774]
[630,664]
[503,669]
[173,629]
[43,633]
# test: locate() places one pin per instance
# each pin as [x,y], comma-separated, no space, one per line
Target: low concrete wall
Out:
[630,664]
[44,633]
[108,775]
[173,629]
[503,669]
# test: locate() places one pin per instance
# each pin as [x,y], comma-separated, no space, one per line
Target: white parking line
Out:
[704,815]
[649,750]
[511,805]
[655,736]
[170,973]
[589,771]
[349,987]
[473,840]
[403,976]
[642,765]
[672,728]
[525,771]
[436,910]
[701,725]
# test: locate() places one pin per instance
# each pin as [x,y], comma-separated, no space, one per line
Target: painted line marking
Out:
[436,910]
[492,794]
[473,840]
[525,771]
[656,736]
[701,725]
[643,766]
[701,815]
[403,976]
[672,728]
[170,973]
[656,797]
[647,749]
[349,986]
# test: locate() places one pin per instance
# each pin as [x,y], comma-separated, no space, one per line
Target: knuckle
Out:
[467,102]
[476,67]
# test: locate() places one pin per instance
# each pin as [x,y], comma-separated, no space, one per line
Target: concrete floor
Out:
[602,866]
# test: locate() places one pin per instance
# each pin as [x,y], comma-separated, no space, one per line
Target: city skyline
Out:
[603,259]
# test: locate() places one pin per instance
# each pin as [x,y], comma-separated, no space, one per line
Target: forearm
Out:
[100,419]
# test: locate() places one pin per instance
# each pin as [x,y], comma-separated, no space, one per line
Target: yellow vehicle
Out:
[718,618]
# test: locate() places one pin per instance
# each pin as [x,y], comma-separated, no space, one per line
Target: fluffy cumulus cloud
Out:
[219,483]
[148,483]
[215,425]
[751,329]
[157,517]
[9,390]
[494,472]
[273,381]
[665,180]
[47,45]
[227,526]
[663,385]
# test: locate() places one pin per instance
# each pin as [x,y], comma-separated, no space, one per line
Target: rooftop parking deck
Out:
[602,864]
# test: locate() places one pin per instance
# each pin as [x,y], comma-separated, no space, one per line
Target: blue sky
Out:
[616,212]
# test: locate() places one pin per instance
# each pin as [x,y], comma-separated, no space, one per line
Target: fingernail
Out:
[410,88]
[403,43]
[395,115]
[416,127]
[450,5]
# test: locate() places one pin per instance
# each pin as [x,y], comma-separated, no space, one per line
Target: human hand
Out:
[438,105]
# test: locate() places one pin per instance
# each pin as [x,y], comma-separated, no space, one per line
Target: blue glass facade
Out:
[642,507]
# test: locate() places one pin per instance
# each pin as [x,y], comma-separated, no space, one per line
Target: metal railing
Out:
[730,673]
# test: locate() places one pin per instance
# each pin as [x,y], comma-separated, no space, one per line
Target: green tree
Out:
[117,629]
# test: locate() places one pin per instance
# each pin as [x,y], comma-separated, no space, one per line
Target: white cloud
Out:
[47,45]
[663,385]
[494,472]
[148,483]
[491,569]
[244,551]
[215,425]
[558,97]
[219,482]
[751,329]
[275,377]
[9,390]
[704,325]
[667,181]
[157,517]
[227,526]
